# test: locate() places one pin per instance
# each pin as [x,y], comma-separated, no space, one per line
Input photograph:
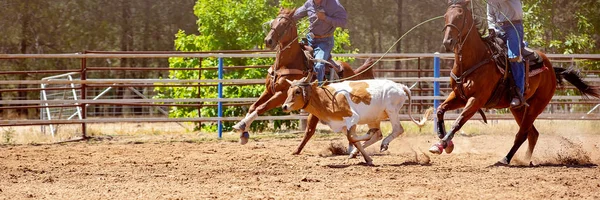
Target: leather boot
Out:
[518,101]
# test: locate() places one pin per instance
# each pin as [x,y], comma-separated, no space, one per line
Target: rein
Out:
[274,71]
[458,52]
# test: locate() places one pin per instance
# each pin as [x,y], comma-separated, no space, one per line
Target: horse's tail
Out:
[573,77]
[366,70]
[425,116]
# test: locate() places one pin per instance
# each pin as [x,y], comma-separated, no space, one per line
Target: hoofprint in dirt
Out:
[181,167]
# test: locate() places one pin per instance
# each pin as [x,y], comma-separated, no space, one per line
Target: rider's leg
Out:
[514,40]
[322,50]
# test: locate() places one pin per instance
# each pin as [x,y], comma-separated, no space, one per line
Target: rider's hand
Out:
[321,15]
[492,32]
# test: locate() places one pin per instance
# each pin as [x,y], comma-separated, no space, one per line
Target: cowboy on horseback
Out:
[506,16]
[324,17]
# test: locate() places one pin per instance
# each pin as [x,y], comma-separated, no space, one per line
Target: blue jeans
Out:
[513,36]
[322,48]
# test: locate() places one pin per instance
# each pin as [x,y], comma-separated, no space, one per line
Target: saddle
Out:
[500,54]
[330,63]
[506,88]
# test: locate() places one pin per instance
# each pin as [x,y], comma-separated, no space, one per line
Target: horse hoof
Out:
[240,127]
[436,149]
[503,162]
[450,147]
[384,147]
[244,137]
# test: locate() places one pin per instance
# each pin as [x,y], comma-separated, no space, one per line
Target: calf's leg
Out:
[350,135]
[397,129]
[375,132]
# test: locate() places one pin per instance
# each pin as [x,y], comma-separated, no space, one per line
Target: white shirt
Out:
[503,10]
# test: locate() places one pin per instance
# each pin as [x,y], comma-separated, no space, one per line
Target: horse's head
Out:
[283,29]
[299,94]
[459,23]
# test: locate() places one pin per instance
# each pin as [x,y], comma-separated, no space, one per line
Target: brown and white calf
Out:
[344,105]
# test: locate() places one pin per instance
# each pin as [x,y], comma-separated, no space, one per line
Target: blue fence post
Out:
[436,87]
[220,104]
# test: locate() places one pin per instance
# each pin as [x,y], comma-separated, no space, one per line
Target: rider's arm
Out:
[339,16]
[491,17]
[301,12]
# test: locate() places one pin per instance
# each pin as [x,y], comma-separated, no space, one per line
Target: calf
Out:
[344,105]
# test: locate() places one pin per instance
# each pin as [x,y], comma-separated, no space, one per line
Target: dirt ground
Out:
[181,167]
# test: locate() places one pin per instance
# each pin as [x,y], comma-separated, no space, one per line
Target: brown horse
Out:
[475,75]
[290,64]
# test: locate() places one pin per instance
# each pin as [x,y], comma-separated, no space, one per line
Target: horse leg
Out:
[532,137]
[525,121]
[451,103]
[243,125]
[350,135]
[311,127]
[274,101]
[375,134]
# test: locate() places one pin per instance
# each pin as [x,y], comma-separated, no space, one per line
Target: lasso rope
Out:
[388,51]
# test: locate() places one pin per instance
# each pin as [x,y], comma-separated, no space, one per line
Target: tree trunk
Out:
[126,43]
[399,29]
[25,22]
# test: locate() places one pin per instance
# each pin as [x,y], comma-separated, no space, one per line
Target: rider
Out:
[324,17]
[506,16]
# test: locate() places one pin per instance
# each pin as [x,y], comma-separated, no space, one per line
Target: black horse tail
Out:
[573,77]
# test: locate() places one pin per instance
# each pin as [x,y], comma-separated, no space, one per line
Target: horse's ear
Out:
[290,82]
[464,2]
[293,11]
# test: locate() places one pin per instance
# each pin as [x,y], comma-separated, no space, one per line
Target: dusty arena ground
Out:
[193,166]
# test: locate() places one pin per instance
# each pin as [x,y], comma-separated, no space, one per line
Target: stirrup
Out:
[517,102]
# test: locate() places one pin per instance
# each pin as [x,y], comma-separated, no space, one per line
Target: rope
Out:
[309,28]
[388,51]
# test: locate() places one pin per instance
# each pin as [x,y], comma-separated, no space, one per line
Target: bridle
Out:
[305,93]
[282,33]
[278,34]
[460,41]
[458,51]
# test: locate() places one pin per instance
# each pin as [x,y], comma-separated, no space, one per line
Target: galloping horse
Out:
[290,64]
[475,75]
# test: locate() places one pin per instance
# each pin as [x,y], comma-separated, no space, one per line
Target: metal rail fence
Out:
[84,99]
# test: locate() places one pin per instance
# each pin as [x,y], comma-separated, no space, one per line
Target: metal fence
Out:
[68,96]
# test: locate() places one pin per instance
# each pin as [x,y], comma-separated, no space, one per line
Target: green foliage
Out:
[8,135]
[544,29]
[229,25]
[562,27]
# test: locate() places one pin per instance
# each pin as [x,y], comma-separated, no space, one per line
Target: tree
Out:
[229,25]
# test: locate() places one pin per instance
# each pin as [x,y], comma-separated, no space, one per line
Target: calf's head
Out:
[298,95]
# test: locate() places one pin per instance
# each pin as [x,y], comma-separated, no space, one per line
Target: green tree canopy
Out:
[230,25]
